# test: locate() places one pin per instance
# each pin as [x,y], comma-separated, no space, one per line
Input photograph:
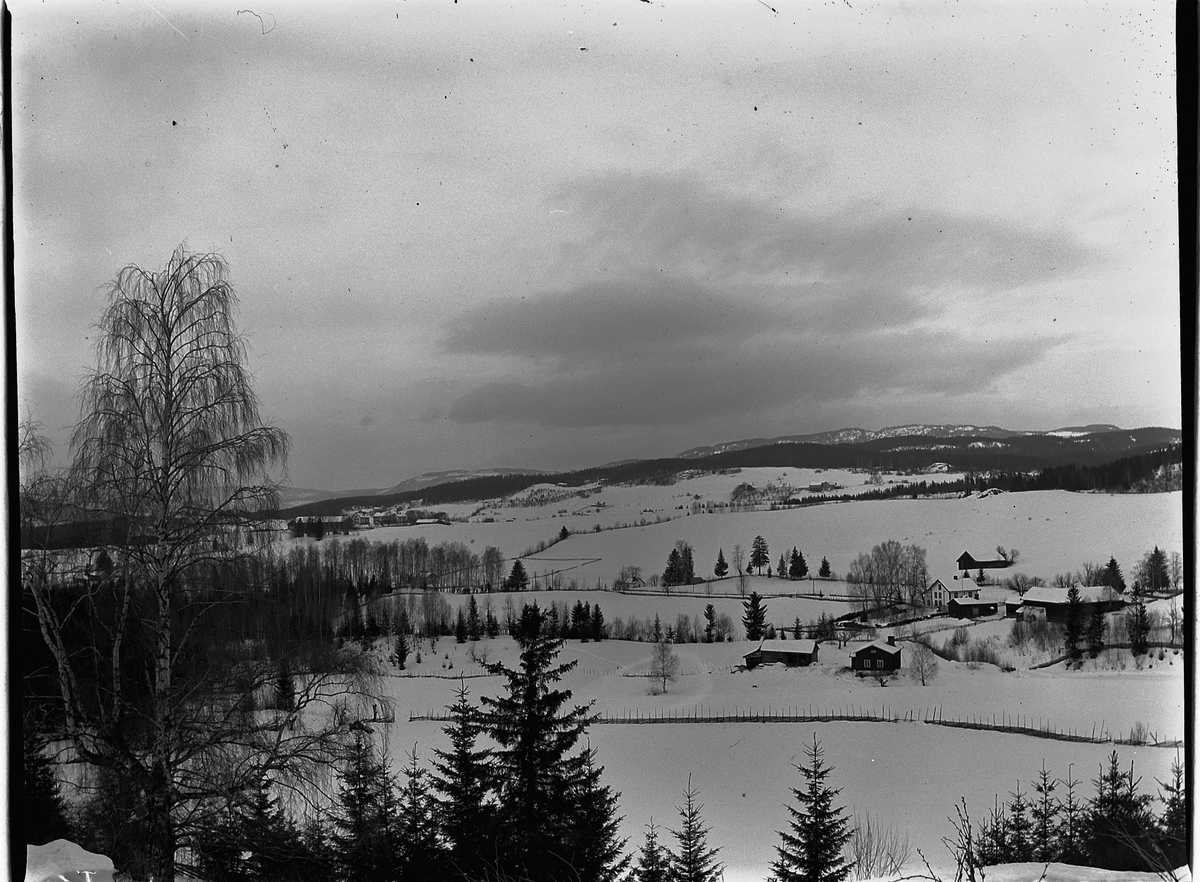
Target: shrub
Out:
[1045,636]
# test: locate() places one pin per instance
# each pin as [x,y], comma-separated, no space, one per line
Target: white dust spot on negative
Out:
[557,211]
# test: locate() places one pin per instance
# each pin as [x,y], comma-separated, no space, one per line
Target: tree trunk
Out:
[160,833]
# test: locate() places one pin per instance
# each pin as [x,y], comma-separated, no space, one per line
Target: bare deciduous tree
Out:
[922,664]
[876,850]
[664,663]
[158,666]
[739,562]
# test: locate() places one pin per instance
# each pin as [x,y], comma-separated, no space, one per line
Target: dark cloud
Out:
[637,319]
[755,378]
[711,302]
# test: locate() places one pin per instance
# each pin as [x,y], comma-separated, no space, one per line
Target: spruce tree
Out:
[1172,827]
[1139,628]
[710,622]
[460,627]
[415,830]
[361,844]
[1073,631]
[759,553]
[42,816]
[581,625]
[1119,824]
[1095,632]
[689,564]
[654,861]
[517,579]
[1070,839]
[597,852]
[474,623]
[535,730]
[1020,828]
[782,567]
[1158,577]
[825,572]
[461,779]
[400,650]
[599,629]
[992,845]
[273,846]
[673,574]
[694,861]
[797,566]
[812,850]
[721,568]
[1113,576]
[755,617]
[1045,818]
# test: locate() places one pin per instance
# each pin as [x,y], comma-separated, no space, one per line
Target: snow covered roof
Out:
[878,644]
[807,647]
[1087,594]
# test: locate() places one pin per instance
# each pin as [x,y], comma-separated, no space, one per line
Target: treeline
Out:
[1116,829]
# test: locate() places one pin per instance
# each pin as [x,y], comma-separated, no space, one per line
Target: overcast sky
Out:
[552,235]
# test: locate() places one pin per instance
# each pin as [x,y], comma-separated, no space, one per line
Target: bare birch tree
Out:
[159,667]
[664,663]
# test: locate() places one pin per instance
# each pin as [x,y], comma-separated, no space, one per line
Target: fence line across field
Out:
[1019,724]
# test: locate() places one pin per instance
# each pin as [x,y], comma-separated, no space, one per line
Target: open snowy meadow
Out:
[909,773]
[1055,531]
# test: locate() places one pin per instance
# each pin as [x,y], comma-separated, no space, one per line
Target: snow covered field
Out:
[1054,530]
[909,774]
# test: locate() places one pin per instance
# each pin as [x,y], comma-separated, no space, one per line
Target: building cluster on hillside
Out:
[364,519]
[962,598]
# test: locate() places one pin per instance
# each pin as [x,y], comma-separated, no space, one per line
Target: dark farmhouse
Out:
[1044,602]
[971,608]
[966,562]
[876,658]
[793,653]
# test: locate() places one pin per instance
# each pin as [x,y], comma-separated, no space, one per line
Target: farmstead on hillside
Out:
[971,608]
[793,653]
[876,657]
[1045,602]
[960,589]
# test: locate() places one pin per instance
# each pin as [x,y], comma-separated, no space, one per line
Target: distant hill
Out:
[989,449]
[299,495]
[862,436]
[430,479]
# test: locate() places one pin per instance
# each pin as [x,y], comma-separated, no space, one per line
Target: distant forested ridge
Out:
[1027,462]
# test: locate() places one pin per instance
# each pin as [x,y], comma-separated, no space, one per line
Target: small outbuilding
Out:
[793,653]
[967,562]
[876,657]
[971,608]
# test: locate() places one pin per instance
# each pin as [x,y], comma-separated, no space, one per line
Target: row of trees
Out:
[890,573]
[680,569]
[1116,829]
[712,627]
